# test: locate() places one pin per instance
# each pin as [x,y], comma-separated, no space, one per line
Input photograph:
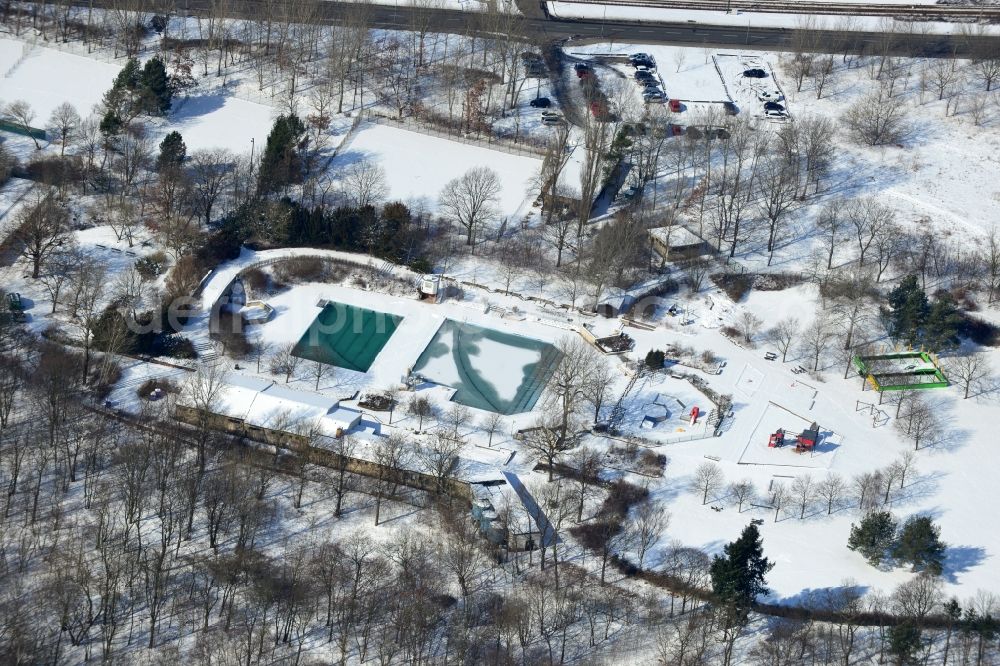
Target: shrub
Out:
[736,285]
[150,385]
[301,269]
[151,266]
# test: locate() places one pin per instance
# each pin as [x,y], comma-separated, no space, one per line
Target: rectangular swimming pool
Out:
[489,369]
[347,336]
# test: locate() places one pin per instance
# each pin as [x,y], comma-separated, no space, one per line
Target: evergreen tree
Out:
[919,544]
[111,124]
[128,78]
[908,309]
[281,165]
[874,536]
[119,101]
[738,574]
[943,322]
[172,152]
[904,642]
[156,94]
[655,359]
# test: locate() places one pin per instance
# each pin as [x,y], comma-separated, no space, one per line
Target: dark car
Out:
[644,76]
[755,73]
[730,108]
[581,66]
[541,102]
[773,106]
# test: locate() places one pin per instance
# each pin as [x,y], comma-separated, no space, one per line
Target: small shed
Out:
[675,243]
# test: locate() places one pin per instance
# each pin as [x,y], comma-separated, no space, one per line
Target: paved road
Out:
[542,27]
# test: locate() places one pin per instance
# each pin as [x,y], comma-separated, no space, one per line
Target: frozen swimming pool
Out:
[347,336]
[489,369]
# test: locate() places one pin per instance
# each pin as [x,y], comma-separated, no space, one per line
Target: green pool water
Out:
[489,369]
[347,336]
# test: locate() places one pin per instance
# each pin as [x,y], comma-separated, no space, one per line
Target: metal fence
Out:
[491,142]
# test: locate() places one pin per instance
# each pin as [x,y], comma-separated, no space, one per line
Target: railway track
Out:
[913,12]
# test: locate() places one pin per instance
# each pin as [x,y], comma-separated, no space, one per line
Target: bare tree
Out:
[708,478]
[22,115]
[832,225]
[780,496]
[918,421]
[471,199]
[490,424]
[817,338]
[364,183]
[210,170]
[320,371]
[440,458]
[877,118]
[64,122]
[831,490]
[783,336]
[422,408]
[203,391]
[969,371]
[285,361]
[803,490]
[749,324]
[42,227]
[743,492]
[870,218]
[650,522]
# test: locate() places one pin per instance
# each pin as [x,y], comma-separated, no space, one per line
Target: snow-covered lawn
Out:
[46,78]
[215,120]
[418,166]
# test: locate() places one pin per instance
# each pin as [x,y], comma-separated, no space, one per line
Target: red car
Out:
[675,105]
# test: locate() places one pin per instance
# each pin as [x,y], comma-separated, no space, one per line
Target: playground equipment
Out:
[694,415]
[805,441]
[900,371]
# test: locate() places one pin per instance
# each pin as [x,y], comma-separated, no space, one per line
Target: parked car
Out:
[730,108]
[675,105]
[644,75]
[581,67]
[641,59]
[774,113]
[773,106]
[755,73]
[650,85]
[765,96]
[552,119]
[655,99]
[584,74]
[541,102]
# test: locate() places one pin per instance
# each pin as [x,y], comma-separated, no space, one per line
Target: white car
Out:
[766,96]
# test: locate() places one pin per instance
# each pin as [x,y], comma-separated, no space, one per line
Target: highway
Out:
[541,27]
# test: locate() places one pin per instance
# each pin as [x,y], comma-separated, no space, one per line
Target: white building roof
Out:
[281,408]
[266,404]
[675,236]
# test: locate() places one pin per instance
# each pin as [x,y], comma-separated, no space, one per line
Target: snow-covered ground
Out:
[48,77]
[215,120]
[418,166]
[745,20]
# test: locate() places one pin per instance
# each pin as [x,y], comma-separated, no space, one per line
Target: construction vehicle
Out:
[777,439]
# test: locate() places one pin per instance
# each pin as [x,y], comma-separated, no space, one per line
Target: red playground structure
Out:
[694,415]
[805,441]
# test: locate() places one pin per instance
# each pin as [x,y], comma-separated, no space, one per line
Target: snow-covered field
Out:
[418,166]
[215,120]
[47,77]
